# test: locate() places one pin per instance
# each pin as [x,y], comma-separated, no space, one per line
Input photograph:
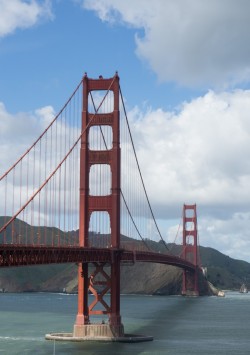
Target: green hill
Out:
[222,271]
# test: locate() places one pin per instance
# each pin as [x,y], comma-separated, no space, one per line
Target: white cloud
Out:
[19,131]
[17,134]
[188,42]
[200,154]
[229,236]
[16,14]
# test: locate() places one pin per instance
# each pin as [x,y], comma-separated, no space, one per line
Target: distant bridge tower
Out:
[110,281]
[190,250]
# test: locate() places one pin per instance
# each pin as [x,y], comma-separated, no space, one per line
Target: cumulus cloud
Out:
[16,14]
[198,154]
[19,131]
[229,236]
[188,42]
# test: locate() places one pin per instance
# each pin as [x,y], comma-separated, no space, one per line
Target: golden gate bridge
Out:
[78,195]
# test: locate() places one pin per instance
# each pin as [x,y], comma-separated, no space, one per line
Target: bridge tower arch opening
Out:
[190,285]
[90,157]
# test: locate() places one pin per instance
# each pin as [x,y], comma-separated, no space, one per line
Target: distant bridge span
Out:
[21,255]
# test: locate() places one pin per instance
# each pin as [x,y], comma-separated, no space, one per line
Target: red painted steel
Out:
[21,255]
[190,250]
[90,204]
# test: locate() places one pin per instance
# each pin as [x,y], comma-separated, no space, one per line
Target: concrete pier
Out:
[98,332]
[189,293]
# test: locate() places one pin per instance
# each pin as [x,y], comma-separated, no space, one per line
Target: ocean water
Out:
[180,325]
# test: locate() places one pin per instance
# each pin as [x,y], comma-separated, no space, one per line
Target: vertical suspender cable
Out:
[144,188]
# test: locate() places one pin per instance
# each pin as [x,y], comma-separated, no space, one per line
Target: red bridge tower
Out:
[109,282]
[190,250]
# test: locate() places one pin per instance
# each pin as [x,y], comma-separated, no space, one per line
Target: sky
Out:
[184,70]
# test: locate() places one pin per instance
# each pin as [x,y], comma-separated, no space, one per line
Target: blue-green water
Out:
[204,325]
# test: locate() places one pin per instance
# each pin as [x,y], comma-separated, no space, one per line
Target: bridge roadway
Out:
[20,255]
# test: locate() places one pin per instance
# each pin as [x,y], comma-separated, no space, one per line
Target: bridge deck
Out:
[20,255]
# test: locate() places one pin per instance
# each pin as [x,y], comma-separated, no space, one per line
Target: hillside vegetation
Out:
[222,271]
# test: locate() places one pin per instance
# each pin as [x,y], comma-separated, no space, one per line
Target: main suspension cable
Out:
[39,138]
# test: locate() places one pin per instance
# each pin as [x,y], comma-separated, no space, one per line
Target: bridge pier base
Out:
[97,331]
[127,338]
[190,293]
[190,285]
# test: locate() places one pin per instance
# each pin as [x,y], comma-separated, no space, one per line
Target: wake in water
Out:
[22,338]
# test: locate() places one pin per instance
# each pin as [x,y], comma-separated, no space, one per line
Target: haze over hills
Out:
[222,271]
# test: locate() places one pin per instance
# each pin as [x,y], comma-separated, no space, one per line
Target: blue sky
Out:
[185,73]
[42,64]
